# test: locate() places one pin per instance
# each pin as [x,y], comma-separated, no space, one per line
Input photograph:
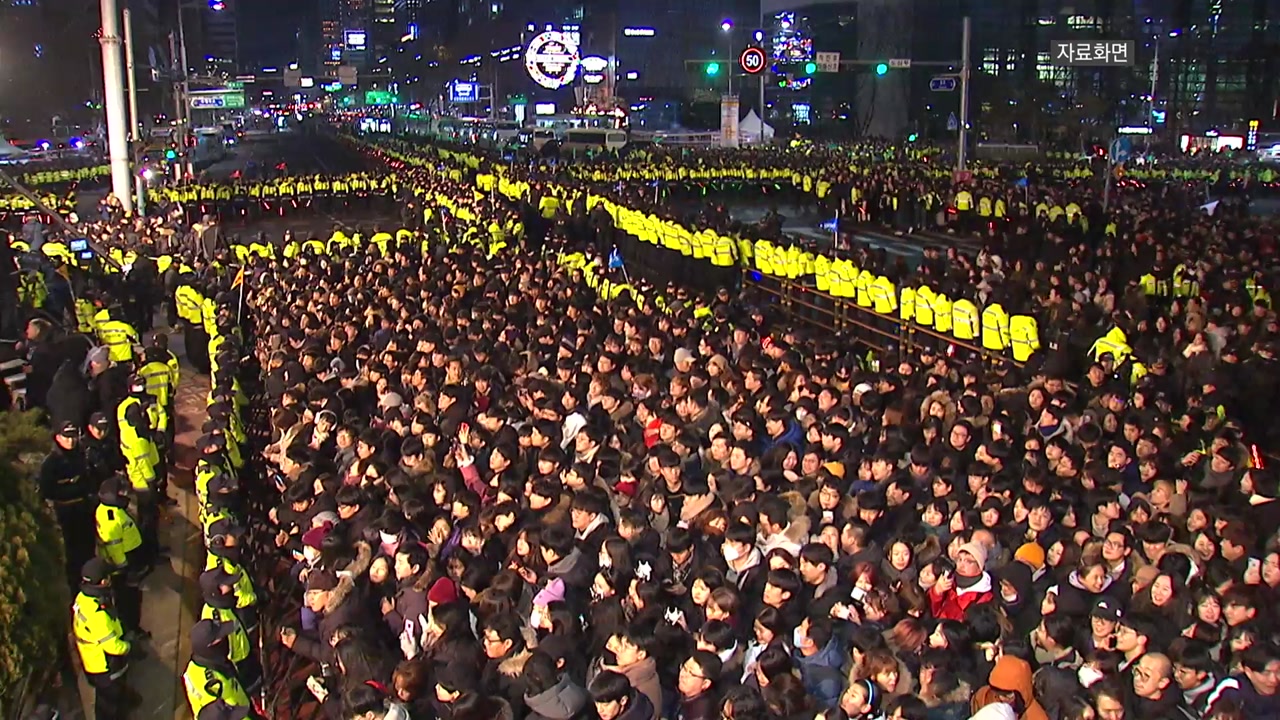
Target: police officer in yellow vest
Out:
[119,337]
[100,640]
[224,547]
[1024,337]
[210,675]
[120,545]
[995,328]
[1114,342]
[190,303]
[217,588]
[964,319]
[136,420]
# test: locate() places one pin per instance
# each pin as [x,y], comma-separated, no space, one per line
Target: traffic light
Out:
[713,69]
[882,68]
[170,154]
[810,68]
[912,137]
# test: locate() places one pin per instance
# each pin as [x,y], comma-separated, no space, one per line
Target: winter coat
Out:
[563,701]
[502,678]
[644,678]
[952,604]
[820,673]
[343,609]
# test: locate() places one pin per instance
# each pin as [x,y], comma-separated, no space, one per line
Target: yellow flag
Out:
[239,279]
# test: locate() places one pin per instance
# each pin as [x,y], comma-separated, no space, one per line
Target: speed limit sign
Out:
[752,60]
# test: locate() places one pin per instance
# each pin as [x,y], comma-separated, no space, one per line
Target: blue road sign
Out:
[1120,149]
[952,123]
[942,84]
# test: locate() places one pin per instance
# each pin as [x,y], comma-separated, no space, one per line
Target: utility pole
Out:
[964,96]
[177,93]
[764,71]
[134,125]
[113,80]
[184,116]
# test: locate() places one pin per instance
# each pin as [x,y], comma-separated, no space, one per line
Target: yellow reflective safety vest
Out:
[246,596]
[204,685]
[884,296]
[907,304]
[188,302]
[1114,342]
[964,319]
[98,634]
[140,453]
[84,317]
[117,534]
[238,643]
[209,316]
[119,337]
[1024,336]
[159,377]
[862,288]
[923,306]
[942,313]
[995,327]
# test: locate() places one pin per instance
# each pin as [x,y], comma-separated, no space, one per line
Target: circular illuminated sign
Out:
[752,60]
[552,59]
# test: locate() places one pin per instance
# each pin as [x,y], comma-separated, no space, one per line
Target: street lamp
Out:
[726,26]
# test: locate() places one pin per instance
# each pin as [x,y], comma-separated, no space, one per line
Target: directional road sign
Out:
[827,61]
[942,84]
[1120,149]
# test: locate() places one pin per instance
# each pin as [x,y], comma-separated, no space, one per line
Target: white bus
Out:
[593,139]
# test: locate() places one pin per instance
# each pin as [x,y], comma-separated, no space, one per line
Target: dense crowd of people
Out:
[475,480]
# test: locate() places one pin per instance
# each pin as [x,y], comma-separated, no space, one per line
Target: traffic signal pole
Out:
[761,75]
[964,85]
[964,97]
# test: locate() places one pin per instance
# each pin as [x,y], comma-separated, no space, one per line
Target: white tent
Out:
[749,129]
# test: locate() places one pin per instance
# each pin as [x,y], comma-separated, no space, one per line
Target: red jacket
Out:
[952,604]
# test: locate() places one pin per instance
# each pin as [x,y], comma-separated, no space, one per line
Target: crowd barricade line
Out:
[876,331]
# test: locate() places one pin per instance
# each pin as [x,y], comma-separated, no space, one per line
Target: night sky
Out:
[267,30]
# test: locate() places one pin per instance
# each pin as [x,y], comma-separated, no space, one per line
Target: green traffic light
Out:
[882,68]
[810,68]
[170,155]
[912,137]
[713,69]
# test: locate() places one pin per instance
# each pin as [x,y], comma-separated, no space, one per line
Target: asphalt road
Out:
[301,153]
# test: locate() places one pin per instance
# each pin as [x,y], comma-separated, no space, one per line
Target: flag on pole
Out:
[239,280]
[615,259]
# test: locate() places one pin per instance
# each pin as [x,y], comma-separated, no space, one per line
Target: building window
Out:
[990,61]
[1084,22]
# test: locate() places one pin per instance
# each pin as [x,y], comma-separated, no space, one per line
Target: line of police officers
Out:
[106,484]
[283,196]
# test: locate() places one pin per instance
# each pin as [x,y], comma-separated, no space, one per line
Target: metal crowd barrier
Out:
[803,305]
[799,304]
